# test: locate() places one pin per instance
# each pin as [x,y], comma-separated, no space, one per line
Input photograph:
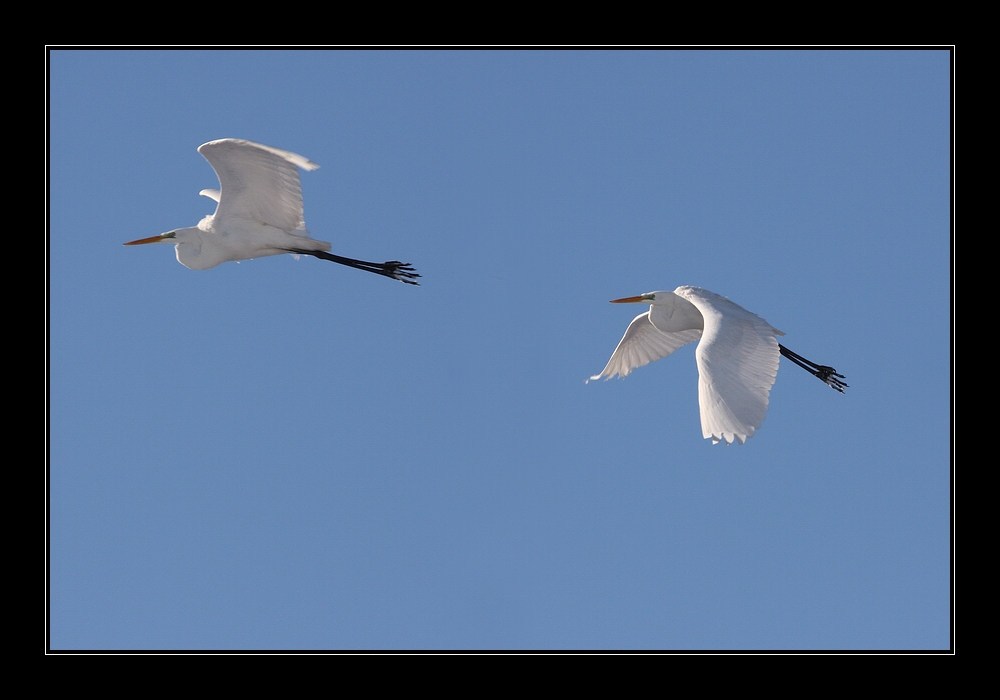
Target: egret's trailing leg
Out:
[827,374]
[403,272]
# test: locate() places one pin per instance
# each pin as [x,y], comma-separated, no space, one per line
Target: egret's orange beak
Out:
[151,239]
[626,300]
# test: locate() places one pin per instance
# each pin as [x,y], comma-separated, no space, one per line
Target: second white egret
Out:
[259,213]
[737,356]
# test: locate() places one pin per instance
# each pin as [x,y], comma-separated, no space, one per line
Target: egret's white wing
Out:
[737,364]
[259,183]
[642,344]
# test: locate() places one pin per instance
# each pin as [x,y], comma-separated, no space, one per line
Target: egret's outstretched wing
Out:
[737,364]
[259,183]
[642,344]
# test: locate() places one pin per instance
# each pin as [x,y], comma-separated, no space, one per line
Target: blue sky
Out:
[291,454]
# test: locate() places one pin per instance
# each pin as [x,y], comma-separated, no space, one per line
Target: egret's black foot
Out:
[401,271]
[827,374]
[830,376]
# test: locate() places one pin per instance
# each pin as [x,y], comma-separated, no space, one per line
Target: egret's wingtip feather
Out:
[728,438]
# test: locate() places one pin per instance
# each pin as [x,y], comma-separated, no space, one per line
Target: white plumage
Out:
[259,213]
[737,357]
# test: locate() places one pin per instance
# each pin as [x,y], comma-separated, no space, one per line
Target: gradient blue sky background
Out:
[292,454]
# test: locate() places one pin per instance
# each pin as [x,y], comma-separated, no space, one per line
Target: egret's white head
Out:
[668,312]
[189,244]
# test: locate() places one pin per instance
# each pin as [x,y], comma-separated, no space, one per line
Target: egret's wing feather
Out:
[737,365]
[642,344]
[211,194]
[259,183]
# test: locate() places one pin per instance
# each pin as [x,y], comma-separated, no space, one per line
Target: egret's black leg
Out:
[403,272]
[827,374]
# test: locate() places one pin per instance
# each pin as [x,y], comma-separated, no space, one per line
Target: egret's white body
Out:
[259,212]
[737,357]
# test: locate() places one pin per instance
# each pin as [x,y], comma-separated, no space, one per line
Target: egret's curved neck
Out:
[672,314]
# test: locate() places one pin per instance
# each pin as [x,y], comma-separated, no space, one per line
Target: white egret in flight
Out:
[737,356]
[259,213]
